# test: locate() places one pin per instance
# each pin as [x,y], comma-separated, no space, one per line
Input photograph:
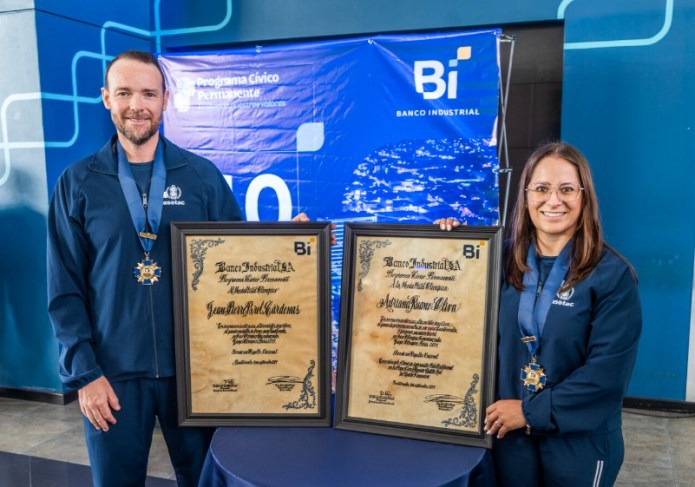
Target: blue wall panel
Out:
[72,73]
[28,355]
[259,20]
[628,106]
[123,12]
[75,123]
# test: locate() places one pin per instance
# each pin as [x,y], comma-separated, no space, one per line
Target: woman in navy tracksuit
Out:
[569,324]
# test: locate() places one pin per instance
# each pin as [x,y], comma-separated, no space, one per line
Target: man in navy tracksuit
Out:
[109,284]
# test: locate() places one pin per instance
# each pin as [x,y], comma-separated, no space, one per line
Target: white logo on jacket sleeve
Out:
[172,196]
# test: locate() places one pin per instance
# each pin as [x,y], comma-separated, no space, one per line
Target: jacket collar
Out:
[106,160]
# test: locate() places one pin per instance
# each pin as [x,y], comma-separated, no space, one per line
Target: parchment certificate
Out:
[418,333]
[254,325]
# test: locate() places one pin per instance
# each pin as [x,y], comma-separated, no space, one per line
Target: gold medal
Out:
[147,272]
[533,376]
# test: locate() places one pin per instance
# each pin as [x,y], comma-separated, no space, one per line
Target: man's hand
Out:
[97,399]
[447,223]
[504,416]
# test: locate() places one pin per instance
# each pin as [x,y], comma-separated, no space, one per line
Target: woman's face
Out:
[556,218]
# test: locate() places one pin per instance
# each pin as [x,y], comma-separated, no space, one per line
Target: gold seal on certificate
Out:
[252,323]
[417,332]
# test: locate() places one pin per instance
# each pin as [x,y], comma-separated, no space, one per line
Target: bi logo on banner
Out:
[431,74]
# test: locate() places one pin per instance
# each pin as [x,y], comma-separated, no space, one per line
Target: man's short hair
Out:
[142,56]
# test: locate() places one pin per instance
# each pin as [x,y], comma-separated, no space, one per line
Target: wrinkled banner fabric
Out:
[390,128]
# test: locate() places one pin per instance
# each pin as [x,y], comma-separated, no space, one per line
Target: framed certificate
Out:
[418,331]
[252,323]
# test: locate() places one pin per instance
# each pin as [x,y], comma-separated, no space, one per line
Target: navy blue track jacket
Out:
[105,321]
[588,350]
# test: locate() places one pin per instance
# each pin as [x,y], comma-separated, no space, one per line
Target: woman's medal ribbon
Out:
[534,305]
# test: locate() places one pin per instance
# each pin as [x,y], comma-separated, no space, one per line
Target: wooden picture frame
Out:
[252,323]
[418,331]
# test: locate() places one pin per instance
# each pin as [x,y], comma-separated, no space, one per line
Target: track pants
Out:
[119,456]
[579,461]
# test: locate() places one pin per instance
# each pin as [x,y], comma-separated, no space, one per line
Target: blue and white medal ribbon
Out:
[145,210]
[533,311]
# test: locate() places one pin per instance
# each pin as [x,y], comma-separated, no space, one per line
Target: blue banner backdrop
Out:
[391,128]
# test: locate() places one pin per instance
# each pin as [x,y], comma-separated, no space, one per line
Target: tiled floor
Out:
[55,432]
[660,448]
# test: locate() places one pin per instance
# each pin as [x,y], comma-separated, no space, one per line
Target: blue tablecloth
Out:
[314,457]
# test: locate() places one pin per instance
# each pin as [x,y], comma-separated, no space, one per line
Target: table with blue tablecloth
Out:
[315,457]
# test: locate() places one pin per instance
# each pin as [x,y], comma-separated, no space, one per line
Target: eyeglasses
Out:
[566,192]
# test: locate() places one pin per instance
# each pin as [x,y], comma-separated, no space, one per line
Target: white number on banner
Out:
[282,192]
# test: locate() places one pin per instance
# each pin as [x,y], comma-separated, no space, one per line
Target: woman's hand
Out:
[447,223]
[302,217]
[504,416]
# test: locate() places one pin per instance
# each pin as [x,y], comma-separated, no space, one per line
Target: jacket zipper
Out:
[151,299]
[154,334]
